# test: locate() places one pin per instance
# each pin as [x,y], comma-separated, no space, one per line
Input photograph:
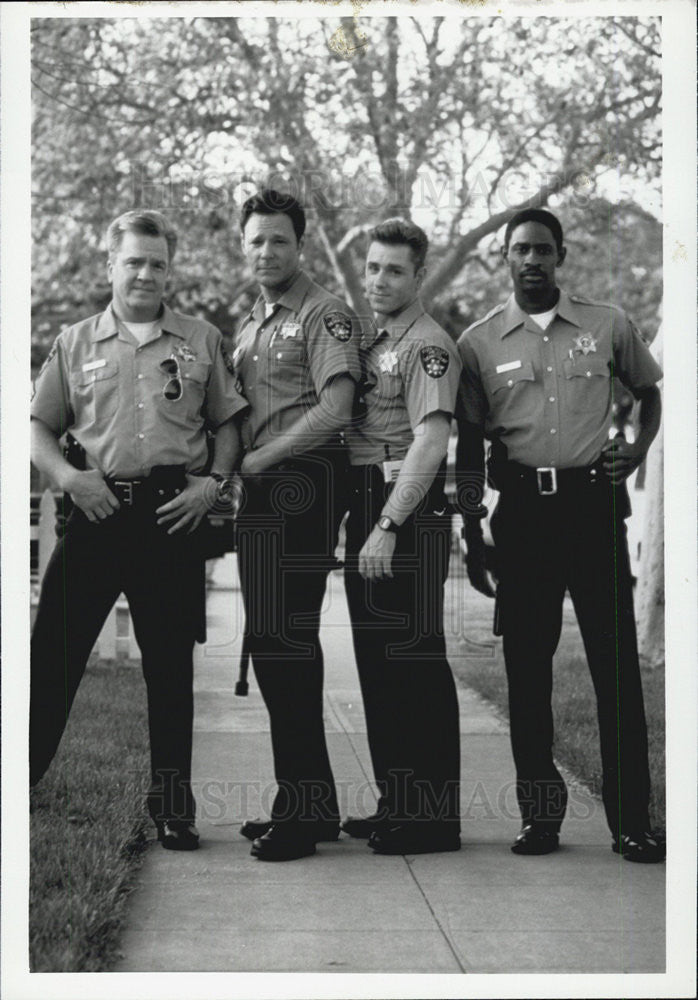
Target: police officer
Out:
[398,543]
[537,381]
[137,386]
[296,356]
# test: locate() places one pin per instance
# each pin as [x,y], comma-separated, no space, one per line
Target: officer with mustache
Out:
[537,382]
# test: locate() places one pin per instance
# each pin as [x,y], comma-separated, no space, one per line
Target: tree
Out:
[450,122]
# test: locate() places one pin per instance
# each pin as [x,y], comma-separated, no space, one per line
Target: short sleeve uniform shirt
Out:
[285,359]
[412,369]
[548,394]
[108,390]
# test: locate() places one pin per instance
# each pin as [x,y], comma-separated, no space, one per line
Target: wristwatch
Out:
[224,486]
[386,523]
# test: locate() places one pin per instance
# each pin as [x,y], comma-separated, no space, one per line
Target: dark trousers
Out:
[406,682]
[287,533]
[161,576]
[574,540]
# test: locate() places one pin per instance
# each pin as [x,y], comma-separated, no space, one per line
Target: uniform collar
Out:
[108,324]
[292,299]
[514,315]
[399,324]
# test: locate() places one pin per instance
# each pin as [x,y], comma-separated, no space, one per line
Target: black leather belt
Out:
[163,483]
[547,481]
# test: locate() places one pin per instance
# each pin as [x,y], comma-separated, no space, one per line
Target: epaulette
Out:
[493,312]
[582,300]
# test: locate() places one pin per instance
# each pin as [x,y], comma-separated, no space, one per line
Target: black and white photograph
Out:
[348,499]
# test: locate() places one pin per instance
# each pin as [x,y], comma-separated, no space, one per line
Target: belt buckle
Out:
[126,484]
[547,481]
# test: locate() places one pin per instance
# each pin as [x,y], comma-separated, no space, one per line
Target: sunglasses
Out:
[173,387]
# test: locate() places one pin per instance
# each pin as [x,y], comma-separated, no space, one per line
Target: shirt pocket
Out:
[513,393]
[96,393]
[587,384]
[195,375]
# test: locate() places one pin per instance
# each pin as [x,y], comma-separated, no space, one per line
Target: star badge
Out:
[387,361]
[585,343]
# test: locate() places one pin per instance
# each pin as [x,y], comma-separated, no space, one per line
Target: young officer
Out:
[136,385]
[296,356]
[398,544]
[538,383]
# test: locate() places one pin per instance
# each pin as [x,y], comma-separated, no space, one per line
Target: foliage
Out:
[453,122]
[88,823]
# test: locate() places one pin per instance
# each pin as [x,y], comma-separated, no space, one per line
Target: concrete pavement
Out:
[345,909]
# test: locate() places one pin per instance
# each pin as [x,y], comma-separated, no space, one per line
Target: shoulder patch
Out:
[434,361]
[338,324]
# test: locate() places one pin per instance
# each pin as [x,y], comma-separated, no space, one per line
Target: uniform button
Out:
[553,430]
[140,375]
[549,368]
[588,374]
[551,399]
[510,382]
[186,375]
[279,355]
[140,406]
[254,357]
[141,436]
[546,339]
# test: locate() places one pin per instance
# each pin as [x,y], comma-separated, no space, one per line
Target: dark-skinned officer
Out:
[537,382]
[137,386]
[398,543]
[296,356]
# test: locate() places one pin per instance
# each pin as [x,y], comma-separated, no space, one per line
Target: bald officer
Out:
[296,357]
[137,386]
[538,383]
[398,543]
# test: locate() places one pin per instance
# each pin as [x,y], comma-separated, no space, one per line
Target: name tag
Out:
[510,366]
[91,365]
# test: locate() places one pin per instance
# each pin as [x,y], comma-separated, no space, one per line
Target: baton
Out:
[242,686]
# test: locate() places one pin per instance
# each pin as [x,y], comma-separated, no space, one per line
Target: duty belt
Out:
[547,481]
[163,483]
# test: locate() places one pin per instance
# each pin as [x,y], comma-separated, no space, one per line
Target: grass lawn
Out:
[574,703]
[88,824]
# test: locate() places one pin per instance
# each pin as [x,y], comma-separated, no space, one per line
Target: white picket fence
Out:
[116,640]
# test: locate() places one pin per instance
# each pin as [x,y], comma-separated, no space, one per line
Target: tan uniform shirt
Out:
[104,387]
[548,394]
[285,360]
[412,370]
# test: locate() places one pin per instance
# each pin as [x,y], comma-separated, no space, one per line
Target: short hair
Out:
[146,222]
[271,202]
[541,215]
[402,232]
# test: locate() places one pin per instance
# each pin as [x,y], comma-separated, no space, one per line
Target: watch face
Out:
[385,523]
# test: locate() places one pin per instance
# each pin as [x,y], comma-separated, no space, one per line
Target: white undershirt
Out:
[544,319]
[141,331]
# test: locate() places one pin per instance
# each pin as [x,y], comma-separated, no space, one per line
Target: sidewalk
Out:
[482,909]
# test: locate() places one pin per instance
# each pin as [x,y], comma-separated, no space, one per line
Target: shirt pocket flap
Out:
[585,367]
[197,371]
[96,374]
[505,380]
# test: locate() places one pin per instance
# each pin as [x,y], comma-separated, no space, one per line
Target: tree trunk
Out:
[650,589]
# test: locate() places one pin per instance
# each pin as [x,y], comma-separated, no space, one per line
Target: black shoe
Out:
[535,839]
[283,843]
[323,829]
[178,835]
[362,828]
[413,839]
[647,848]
